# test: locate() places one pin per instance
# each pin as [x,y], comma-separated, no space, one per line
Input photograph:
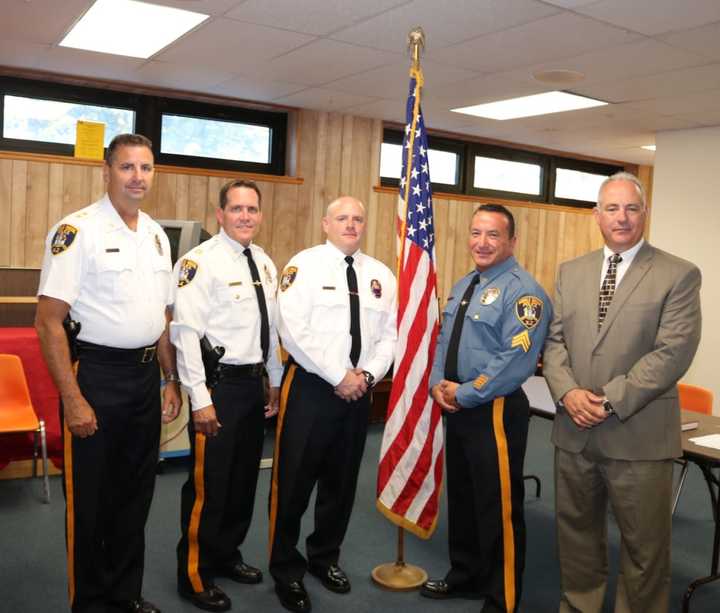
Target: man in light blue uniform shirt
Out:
[493,329]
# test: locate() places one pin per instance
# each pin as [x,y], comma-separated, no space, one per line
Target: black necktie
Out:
[451,357]
[607,291]
[264,323]
[354,311]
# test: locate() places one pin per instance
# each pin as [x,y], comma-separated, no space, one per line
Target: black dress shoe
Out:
[212,599]
[136,606]
[293,596]
[333,578]
[441,589]
[241,572]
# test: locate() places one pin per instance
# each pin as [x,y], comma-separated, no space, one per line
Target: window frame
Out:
[579,165]
[148,121]
[510,155]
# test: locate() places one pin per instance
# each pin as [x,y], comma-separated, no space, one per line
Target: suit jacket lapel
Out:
[638,269]
[591,291]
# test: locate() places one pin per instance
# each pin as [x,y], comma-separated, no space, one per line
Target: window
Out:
[40,117]
[494,171]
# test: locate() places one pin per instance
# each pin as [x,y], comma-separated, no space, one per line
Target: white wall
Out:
[686,222]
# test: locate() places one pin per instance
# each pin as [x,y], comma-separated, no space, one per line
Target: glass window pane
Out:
[54,122]
[507,176]
[214,138]
[577,185]
[443,165]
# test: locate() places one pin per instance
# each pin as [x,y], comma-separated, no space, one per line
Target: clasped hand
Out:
[353,386]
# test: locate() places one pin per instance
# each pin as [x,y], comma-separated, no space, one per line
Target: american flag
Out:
[411,458]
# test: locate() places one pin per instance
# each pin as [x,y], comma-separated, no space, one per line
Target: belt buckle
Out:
[148,355]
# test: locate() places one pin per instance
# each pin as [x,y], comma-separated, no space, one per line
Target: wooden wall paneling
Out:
[385,232]
[182,196]
[549,244]
[285,242]
[211,203]
[307,158]
[36,213]
[332,187]
[18,196]
[76,189]
[264,236]
[521,241]
[441,211]
[97,183]
[318,200]
[6,168]
[373,198]
[198,191]
[166,188]
[55,194]
[350,155]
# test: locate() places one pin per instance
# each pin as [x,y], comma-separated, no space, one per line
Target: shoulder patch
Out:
[188,270]
[288,277]
[63,238]
[528,310]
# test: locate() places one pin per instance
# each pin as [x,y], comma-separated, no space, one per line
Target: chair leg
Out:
[681,482]
[46,481]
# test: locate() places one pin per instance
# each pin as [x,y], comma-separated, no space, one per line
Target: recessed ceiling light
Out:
[130,28]
[648,147]
[530,106]
[558,76]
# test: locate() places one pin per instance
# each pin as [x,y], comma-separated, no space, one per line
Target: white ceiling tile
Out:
[445,22]
[323,61]
[686,104]
[570,4]
[311,16]
[653,17]
[487,88]
[254,88]
[389,110]
[37,22]
[323,99]
[88,63]
[176,76]
[21,53]
[552,38]
[225,44]
[704,40]
[703,118]
[206,7]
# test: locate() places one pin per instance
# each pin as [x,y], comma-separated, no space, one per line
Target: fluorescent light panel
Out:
[130,28]
[530,106]
[648,147]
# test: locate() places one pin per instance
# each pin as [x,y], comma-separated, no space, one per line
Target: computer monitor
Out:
[183,235]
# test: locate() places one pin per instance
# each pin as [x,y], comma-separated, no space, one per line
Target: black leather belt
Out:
[241,371]
[116,355]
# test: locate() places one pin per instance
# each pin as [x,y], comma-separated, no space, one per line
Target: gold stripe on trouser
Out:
[199,482]
[506,503]
[69,503]
[284,393]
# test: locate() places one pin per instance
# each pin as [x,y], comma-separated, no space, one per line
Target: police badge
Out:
[489,296]
[158,245]
[188,269]
[288,277]
[268,276]
[528,310]
[63,238]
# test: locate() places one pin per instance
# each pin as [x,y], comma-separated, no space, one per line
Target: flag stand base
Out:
[398,576]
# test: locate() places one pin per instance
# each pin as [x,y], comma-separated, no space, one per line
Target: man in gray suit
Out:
[612,359]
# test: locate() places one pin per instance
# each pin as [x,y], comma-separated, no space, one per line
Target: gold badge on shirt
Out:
[188,270]
[158,245]
[376,288]
[489,296]
[528,310]
[63,238]
[288,277]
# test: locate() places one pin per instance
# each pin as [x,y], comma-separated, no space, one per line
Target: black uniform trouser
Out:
[217,499]
[485,451]
[320,440]
[109,477]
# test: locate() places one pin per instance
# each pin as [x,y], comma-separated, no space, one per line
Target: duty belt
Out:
[241,370]
[116,355]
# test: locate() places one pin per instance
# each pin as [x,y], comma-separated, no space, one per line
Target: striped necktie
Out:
[607,291]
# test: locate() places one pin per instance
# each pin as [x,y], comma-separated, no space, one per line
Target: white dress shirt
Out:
[622,267]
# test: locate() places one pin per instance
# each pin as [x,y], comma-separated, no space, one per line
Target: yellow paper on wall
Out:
[89,140]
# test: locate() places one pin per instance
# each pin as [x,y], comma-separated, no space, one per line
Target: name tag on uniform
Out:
[112,250]
[234,283]
[328,287]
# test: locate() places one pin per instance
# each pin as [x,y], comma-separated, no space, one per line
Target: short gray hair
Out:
[624,176]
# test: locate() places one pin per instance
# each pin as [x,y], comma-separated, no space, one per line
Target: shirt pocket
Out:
[331,311]
[375,313]
[115,276]
[162,276]
[483,327]
[239,305]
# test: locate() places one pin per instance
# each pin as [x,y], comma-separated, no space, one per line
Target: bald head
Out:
[344,223]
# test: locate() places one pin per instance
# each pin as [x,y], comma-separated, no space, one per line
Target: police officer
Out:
[108,267]
[337,321]
[225,294]
[494,326]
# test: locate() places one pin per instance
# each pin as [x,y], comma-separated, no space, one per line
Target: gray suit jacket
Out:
[647,342]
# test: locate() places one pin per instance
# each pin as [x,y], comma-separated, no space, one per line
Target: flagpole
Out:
[399,576]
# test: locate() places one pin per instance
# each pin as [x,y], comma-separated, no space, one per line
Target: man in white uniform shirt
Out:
[108,267]
[226,293]
[338,323]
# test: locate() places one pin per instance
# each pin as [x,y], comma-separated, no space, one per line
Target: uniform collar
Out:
[336,253]
[113,222]
[493,272]
[236,247]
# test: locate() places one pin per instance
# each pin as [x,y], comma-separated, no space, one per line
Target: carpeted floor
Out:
[32,551]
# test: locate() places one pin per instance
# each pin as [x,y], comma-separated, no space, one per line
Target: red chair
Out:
[699,400]
[17,413]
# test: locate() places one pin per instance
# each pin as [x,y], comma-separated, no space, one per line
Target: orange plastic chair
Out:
[699,400]
[17,413]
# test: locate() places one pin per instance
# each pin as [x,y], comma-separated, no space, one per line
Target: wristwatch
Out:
[608,407]
[369,379]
